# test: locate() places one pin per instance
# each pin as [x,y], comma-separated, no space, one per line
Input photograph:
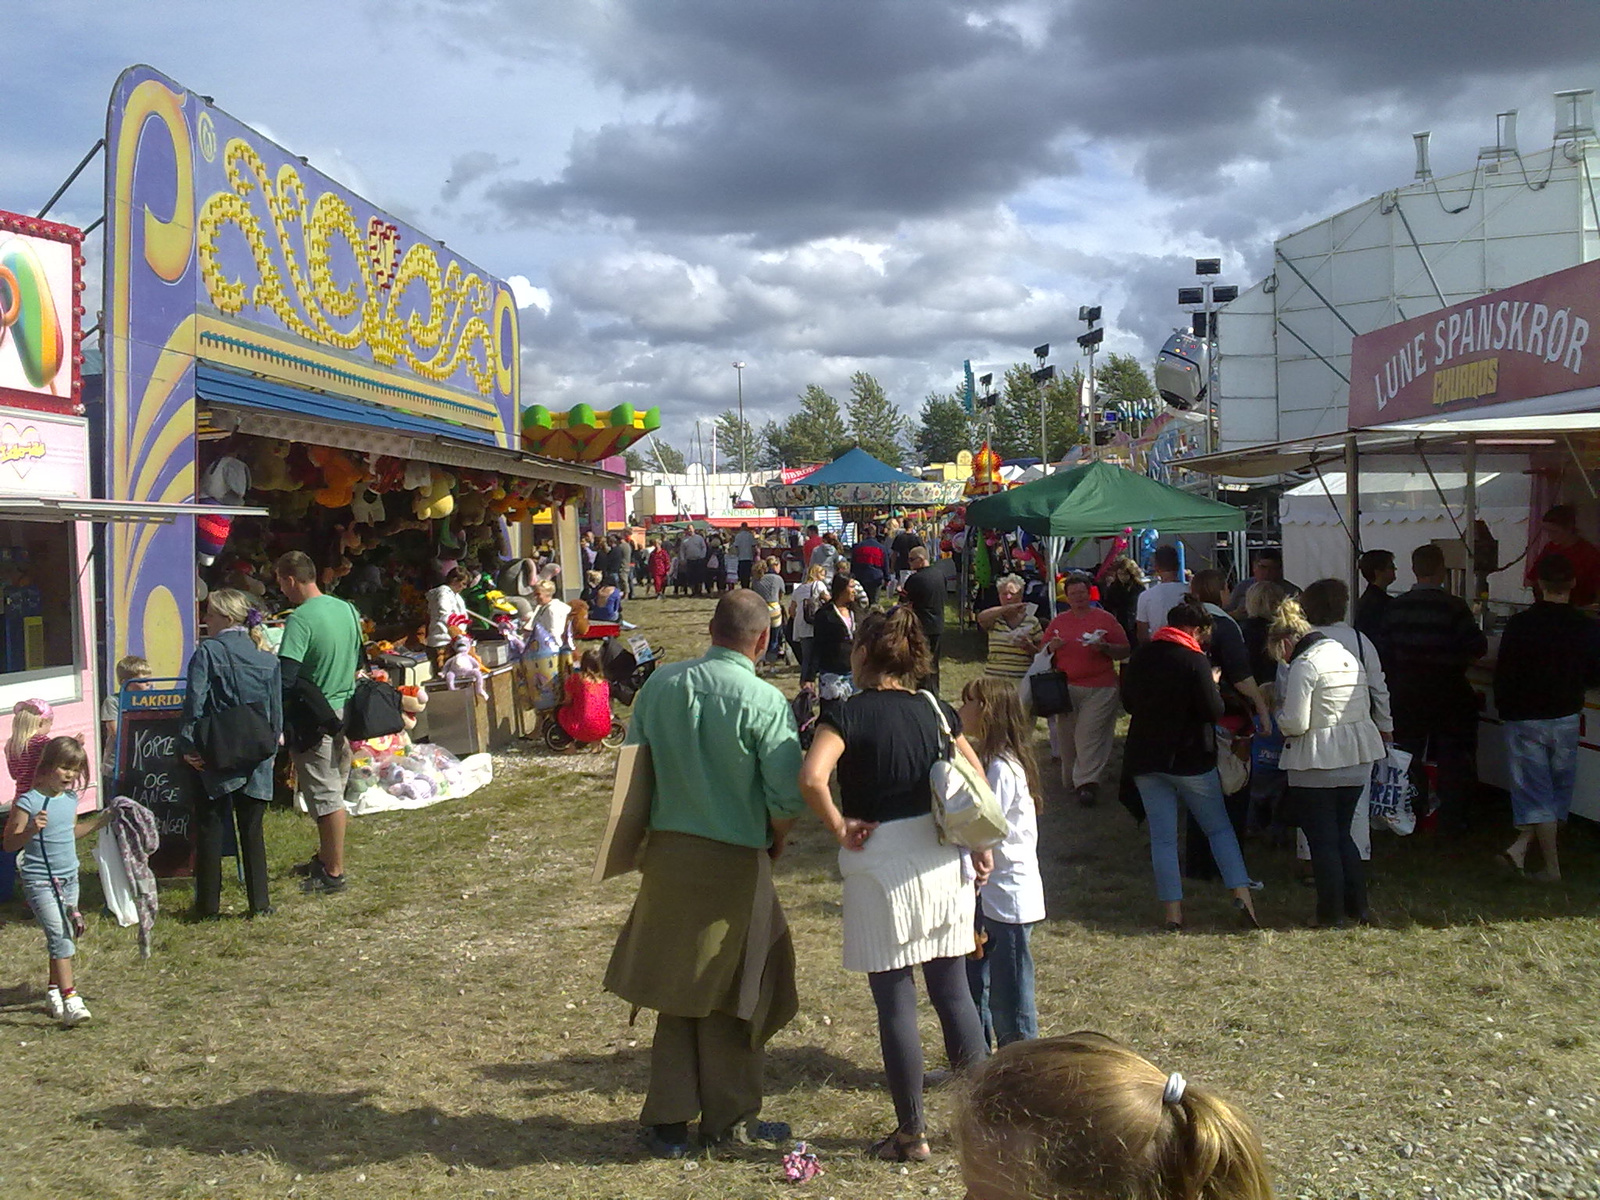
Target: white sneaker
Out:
[53,1004]
[73,1011]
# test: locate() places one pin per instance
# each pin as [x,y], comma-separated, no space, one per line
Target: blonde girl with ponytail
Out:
[1083,1117]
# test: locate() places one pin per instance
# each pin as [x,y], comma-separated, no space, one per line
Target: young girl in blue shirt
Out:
[44,824]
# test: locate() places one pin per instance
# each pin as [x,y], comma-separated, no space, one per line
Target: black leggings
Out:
[895,994]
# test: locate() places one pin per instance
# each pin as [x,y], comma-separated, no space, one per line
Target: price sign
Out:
[151,770]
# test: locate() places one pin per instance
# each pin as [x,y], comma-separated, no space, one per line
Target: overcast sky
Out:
[817,187]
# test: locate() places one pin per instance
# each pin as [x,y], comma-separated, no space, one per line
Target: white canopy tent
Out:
[1401,510]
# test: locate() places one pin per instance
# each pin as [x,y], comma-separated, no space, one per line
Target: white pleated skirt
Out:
[905,899]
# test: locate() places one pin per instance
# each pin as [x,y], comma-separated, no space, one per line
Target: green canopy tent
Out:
[1101,500]
[1097,500]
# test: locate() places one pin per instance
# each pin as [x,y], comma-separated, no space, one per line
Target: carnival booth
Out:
[274,340]
[1506,384]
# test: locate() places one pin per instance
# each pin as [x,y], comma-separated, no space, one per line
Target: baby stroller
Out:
[625,674]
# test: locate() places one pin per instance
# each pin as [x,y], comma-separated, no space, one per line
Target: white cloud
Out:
[528,296]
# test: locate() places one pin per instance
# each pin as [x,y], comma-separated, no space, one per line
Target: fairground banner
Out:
[1524,342]
[224,247]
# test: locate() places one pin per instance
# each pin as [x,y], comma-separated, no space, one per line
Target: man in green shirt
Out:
[707,945]
[320,654]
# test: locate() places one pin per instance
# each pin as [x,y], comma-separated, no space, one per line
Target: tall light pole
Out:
[744,440]
[1041,378]
[1089,314]
[1208,295]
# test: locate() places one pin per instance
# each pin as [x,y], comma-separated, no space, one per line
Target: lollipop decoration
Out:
[28,313]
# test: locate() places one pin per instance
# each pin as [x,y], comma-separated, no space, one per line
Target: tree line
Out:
[822,427]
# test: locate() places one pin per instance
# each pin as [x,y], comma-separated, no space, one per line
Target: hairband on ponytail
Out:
[1173,1092]
[253,618]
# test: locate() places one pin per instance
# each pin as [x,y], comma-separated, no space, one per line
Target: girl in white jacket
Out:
[1331,742]
[1011,903]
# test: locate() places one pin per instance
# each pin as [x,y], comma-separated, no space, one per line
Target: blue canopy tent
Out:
[857,480]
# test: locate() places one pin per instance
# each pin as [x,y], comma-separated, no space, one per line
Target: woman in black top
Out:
[906,900]
[1169,688]
[1121,585]
[834,627]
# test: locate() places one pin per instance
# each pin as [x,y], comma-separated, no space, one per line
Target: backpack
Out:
[806,707]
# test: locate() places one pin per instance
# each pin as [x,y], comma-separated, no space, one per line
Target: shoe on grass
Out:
[749,1133]
[53,1004]
[305,868]
[667,1141]
[73,1011]
[319,882]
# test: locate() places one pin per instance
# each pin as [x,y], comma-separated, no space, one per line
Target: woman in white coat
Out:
[1331,742]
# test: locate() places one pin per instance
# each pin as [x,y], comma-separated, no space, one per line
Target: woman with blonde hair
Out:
[809,595]
[233,681]
[906,900]
[1330,744]
[766,581]
[1083,1117]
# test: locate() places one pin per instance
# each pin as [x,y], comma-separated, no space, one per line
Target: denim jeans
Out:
[1325,815]
[1202,795]
[47,909]
[1543,756]
[1002,983]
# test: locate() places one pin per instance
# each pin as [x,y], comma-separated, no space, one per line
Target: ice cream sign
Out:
[39,308]
[1527,341]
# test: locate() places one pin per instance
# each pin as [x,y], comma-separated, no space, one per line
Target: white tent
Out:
[1399,512]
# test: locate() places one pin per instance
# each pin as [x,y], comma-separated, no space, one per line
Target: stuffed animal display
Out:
[435,500]
[463,668]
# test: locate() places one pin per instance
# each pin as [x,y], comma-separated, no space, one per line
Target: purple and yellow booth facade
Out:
[247,293]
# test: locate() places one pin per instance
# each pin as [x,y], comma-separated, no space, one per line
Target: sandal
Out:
[902,1147]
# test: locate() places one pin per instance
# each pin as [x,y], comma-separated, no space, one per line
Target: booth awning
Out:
[241,404]
[27,508]
[1514,432]
[1100,500]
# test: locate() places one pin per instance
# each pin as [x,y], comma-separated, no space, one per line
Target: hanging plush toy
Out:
[367,506]
[339,474]
[210,536]
[416,475]
[269,467]
[388,473]
[434,501]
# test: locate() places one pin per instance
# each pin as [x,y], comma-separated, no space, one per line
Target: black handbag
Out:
[235,739]
[373,711]
[1051,696]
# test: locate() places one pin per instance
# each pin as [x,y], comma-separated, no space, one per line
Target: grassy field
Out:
[439,1029]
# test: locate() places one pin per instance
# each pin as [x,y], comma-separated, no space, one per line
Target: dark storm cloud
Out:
[789,121]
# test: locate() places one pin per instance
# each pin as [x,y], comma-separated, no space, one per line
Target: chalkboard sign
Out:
[151,770]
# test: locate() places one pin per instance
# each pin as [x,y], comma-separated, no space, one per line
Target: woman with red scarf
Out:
[1170,691]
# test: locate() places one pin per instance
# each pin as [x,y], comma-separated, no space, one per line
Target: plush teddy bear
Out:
[388,473]
[434,501]
[269,467]
[416,475]
[340,475]
[413,702]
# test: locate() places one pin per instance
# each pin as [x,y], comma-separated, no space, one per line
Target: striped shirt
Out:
[1008,658]
[22,766]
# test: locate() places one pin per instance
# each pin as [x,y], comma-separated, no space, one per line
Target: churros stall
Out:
[1503,384]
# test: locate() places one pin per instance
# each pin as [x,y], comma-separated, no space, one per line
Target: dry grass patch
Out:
[439,1029]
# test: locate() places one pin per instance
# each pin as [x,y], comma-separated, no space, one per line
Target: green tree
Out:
[1017,415]
[653,454]
[737,443]
[814,434]
[944,429]
[876,424]
[1121,381]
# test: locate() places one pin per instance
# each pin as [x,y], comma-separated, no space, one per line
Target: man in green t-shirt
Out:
[320,654]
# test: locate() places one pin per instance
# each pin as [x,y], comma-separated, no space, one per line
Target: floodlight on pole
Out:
[744,440]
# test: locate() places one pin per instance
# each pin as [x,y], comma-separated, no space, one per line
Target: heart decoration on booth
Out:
[20,448]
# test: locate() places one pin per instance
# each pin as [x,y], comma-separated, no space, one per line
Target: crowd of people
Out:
[1259,710]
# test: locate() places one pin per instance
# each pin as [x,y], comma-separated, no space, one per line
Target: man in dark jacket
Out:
[1377,568]
[1549,656]
[868,562]
[1432,638]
